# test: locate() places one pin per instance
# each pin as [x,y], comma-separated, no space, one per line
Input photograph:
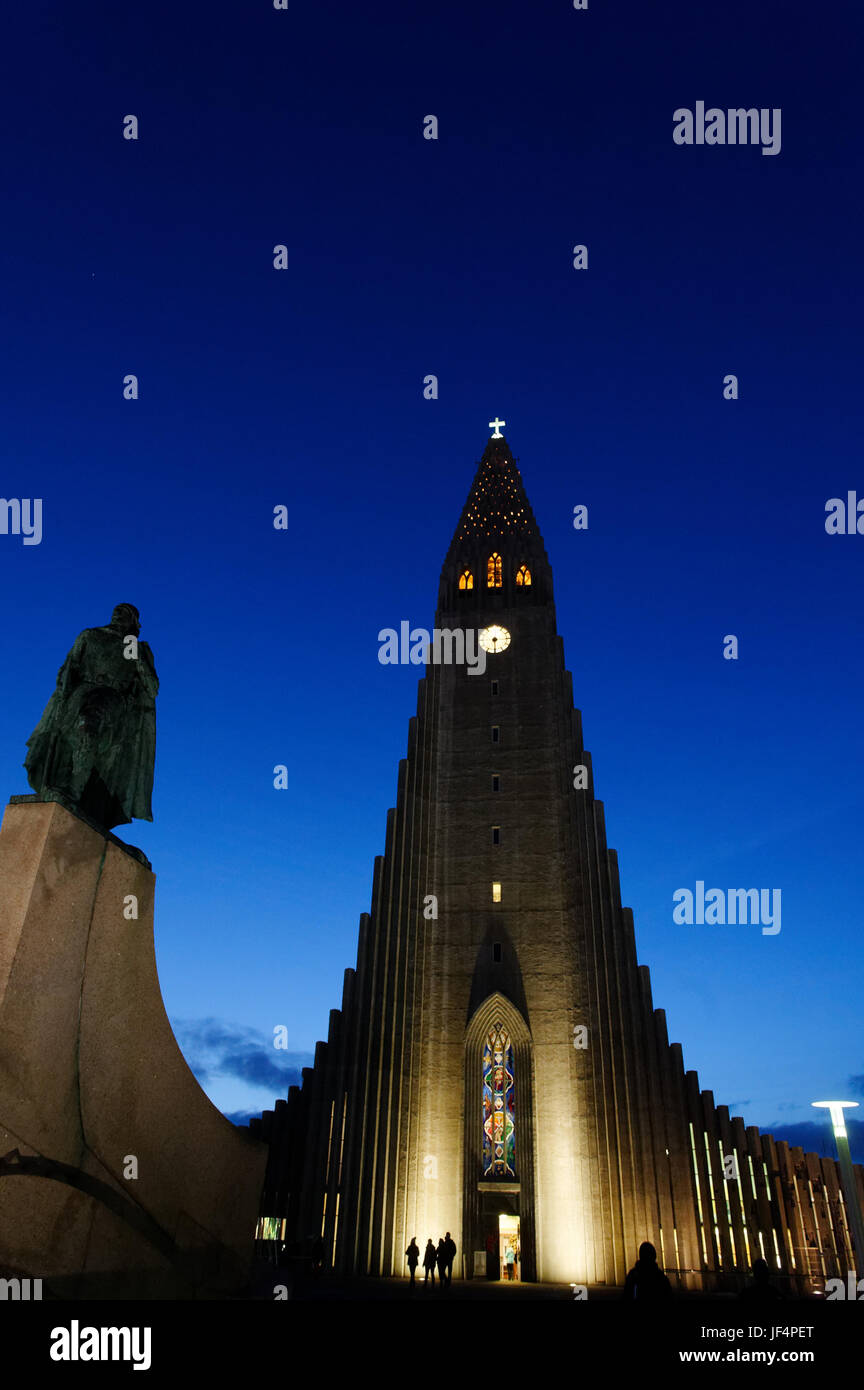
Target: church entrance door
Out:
[509,1248]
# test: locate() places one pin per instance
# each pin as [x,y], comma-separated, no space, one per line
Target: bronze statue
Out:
[95,745]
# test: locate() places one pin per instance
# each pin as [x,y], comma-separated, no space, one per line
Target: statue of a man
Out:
[95,745]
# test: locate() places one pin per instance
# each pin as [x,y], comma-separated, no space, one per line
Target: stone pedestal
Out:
[94,1087]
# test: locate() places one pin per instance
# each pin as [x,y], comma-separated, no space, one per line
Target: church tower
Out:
[497,1069]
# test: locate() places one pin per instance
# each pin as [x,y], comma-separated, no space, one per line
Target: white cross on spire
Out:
[495,426]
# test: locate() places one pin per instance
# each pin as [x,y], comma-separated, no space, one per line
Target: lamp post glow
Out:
[850,1192]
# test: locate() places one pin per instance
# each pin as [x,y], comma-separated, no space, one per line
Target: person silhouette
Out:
[761,1290]
[450,1250]
[429,1257]
[413,1254]
[441,1257]
[646,1282]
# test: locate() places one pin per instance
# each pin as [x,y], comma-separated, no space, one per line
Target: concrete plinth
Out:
[93,1086]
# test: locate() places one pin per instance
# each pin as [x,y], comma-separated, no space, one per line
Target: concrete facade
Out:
[613,1142]
[91,1078]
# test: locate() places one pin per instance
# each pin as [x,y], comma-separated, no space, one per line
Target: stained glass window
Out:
[498,1112]
[466,580]
[493,572]
[523,576]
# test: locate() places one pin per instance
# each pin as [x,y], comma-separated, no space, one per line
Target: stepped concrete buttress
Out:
[91,1078]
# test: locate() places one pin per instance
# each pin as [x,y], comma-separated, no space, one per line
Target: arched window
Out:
[466,580]
[493,572]
[523,577]
[499,1120]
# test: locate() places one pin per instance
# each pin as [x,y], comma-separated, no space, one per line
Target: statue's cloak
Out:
[95,745]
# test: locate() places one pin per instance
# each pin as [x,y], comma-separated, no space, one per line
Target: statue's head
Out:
[126,619]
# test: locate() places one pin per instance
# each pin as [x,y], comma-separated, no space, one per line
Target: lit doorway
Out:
[509,1249]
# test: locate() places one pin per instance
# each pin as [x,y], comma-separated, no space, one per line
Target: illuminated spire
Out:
[497,504]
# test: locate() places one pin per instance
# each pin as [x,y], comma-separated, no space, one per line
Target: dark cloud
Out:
[258,1069]
[814,1137]
[215,1048]
[241,1117]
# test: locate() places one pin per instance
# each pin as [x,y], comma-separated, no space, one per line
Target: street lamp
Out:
[850,1191]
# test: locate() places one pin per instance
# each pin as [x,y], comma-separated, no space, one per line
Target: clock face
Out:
[494,639]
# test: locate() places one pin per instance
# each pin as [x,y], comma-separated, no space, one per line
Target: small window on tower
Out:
[466,580]
[496,834]
[493,572]
[494,687]
[496,892]
[496,952]
[496,782]
[496,733]
[523,577]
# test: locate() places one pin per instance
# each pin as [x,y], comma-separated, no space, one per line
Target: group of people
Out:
[440,1257]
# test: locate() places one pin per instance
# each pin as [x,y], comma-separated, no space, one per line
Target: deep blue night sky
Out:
[304,387]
